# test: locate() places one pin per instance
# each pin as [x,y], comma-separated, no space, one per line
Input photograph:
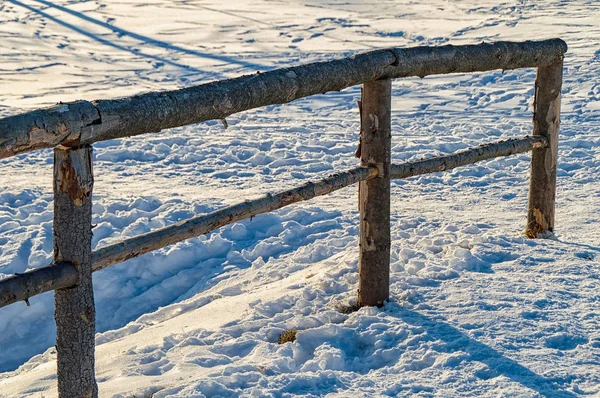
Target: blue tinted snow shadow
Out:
[123,32]
[149,40]
[586,252]
[498,363]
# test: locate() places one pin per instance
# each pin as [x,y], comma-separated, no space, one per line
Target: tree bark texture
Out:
[85,122]
[374,194]
[74,311]
[546,123]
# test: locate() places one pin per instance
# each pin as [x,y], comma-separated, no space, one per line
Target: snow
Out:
[476,308]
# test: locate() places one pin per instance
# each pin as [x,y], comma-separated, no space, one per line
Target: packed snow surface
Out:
[476,308]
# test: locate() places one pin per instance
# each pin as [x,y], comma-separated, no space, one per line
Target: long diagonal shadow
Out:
[480,352]
[582,245]
[124,48]
[102,40]
[150,40]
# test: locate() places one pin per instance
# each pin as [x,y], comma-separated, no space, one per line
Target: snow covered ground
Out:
[476,308]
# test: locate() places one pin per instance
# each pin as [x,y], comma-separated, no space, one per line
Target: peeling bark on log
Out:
[86,122]
[546,123]
[374,194]
[23,286]
[196,226]
[61,124]
[469,156]
[74,310]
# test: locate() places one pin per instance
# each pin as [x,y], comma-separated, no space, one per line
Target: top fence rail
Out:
[84,122]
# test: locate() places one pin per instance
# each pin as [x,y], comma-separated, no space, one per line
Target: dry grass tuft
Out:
[289,336]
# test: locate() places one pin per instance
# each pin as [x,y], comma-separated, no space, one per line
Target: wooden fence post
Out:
[374,194]
[546,122]
[74,307]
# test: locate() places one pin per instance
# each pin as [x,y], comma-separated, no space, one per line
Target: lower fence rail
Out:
[21,287]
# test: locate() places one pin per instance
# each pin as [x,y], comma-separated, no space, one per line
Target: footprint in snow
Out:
[565,341]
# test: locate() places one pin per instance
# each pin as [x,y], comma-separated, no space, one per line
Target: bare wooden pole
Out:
[546,123]
[196,226]
[85,122]
[74,312]
[23,286]
[374,194]
[468,156]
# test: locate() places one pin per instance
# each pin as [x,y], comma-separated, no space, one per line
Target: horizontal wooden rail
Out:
[468,156]
[85,122]
[23,286]
[201,225]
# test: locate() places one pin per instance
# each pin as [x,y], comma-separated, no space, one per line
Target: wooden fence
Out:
[71,128]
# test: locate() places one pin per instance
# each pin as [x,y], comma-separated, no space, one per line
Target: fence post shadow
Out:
[438,330]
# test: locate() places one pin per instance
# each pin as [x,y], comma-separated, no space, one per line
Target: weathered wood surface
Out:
[468,156]
[84,122]
[374,194]
[21,287]
[196,226]
[546,123]
[74,310]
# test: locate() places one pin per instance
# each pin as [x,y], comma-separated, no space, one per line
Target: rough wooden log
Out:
[74,310]
[196,226]
[63,275]
[374,194]
[85,122]
[546,123]
[46,128]
[469,156]
[21,287]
